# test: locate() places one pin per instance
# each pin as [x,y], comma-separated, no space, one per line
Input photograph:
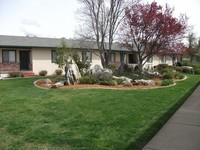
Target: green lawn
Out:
[33,118]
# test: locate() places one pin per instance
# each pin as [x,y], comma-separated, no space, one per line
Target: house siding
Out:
[41,60]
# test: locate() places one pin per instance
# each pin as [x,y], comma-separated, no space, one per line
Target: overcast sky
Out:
[57,18]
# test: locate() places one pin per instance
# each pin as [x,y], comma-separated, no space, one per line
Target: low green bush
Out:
[43,73]
[168,75]
[178,68]
[162,67]
[186,69]
[15,74]
[119,81]
[167,82]
[108,82]
[178,75]
[88,80]
[196,68]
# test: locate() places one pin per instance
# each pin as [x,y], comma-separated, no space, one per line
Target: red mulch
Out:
[41,83]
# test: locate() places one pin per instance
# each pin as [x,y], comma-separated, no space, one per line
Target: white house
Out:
[33,54]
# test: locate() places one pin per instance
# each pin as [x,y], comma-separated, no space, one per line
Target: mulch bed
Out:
[42,84]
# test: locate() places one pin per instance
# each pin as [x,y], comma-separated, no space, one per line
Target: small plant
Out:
[58,71]
[167,82]
[43,73]
[15,74]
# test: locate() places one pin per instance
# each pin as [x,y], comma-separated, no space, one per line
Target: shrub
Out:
[119,81]
[43,73]
[186,69]
[88,80]
[178,75]
[197,71]
[167,75]
[178,68]
[112,67]
[166,70]
[196,68]
[186,62]
[167,82]
[15,74]
[161,67]
[58,71]
[60,78]
[108,82]
[81,64]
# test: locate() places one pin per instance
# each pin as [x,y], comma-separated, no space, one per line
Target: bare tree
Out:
[101,22]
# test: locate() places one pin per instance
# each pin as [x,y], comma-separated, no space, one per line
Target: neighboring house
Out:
[33,54]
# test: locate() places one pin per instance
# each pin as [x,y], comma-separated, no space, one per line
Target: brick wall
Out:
[7,66]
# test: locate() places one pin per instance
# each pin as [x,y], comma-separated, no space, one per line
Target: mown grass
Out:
[33,118]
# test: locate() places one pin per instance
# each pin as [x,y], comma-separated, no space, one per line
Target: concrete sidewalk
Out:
[182,131]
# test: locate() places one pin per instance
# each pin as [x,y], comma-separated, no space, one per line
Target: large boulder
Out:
[125,80]
[101,73]
[72,73]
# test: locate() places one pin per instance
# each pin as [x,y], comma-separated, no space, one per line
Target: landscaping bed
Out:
[42,84]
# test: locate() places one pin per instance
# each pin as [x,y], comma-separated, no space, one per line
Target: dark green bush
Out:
[108,82]
[81,64]
[168,75]
[15,74]
[178,75]
[167,82]
[43,73]
[185,69]
[119,81]
[197,71]
[166,70]
[178,68]
[60,78]
[196,68]
[88,80]
[162,67]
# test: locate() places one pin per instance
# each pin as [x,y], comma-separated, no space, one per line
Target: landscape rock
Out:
[48,81]
[145,82]
[72,73]
[153,74]
[125,81]
[101,73]
[58,84]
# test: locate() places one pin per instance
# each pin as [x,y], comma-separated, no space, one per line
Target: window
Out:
[87,56]
[123,57]
[163,59]
[53,56]
[112,57]
[9,55]
[132,58]
[149,59]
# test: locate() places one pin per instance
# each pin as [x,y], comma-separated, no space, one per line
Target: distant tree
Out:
[101,20]
[193,46]
[151,29]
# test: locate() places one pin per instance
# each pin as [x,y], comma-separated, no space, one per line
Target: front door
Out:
[24,60]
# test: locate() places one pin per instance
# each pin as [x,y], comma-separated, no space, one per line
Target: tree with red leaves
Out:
[151,29]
